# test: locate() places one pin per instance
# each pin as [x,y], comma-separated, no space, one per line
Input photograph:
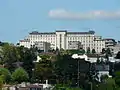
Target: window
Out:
[32,88]
[38,88]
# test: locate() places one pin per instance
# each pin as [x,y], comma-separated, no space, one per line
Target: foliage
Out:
[117,78]
[43,70]
[109,85]
[27,57]
[80,51]
[103,51]
[1,83]
[20,75]
[45,57]
[63,70]
[108,52]
[118,55]
[88,50]
[66,70]
[98,61]
[93,51]
[9,56]
[5,74]
[104,78]
[65,87]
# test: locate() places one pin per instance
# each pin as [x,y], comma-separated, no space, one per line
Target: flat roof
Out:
[37,33]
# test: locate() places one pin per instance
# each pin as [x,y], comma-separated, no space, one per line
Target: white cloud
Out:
[64,14]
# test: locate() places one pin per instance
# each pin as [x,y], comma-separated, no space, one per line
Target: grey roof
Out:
[25,40]
[61,30]
[109,39]
[102,67]
[37,33]
[89,32]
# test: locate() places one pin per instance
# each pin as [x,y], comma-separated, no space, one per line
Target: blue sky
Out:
[18,17]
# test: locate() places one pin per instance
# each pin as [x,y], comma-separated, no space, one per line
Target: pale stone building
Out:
[60,39]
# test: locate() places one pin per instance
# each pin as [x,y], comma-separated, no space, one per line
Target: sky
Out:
[19,17]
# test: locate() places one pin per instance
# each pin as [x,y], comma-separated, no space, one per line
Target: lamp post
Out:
[78,57]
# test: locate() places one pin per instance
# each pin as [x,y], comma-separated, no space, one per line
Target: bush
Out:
[5,75]
[1,83]
[64,87]
[117,78]
[20,75]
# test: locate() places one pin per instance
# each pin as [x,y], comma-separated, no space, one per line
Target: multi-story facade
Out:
[112,45]
[74,45]
[61,39]
[115,49]
[25,43]
[109,42]
[43,46]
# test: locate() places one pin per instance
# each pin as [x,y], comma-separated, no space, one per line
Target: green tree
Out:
[118,55]
[5,74]
[82,51]
[108,85]
[108,52]
[103,51]
[1,83]
[20,75]
[93,51]
[117,78]
[104,78]
[43,70]
[28,56]
[9,56]
[66,70]
[71,52]
[88,50]
[45,57]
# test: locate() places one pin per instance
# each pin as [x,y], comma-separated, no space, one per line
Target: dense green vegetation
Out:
[58,68]
[20,75]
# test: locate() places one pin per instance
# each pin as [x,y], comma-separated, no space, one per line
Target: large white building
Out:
[60,39]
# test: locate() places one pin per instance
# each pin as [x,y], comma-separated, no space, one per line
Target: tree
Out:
[93,51]
[98,61]
[1,83]
[117,78]
[28,56]
[5,74]
[45,57]
[103,51]
[104,78]
[81,51]
[118,55]
[20,75]
[43,70]
[9,56]
[66,70]
[108,52]
[88,50]
[12,55]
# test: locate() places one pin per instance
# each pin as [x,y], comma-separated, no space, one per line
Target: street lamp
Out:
[78,57]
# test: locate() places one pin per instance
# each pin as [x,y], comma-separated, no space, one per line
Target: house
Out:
[32,87]
[101,70]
